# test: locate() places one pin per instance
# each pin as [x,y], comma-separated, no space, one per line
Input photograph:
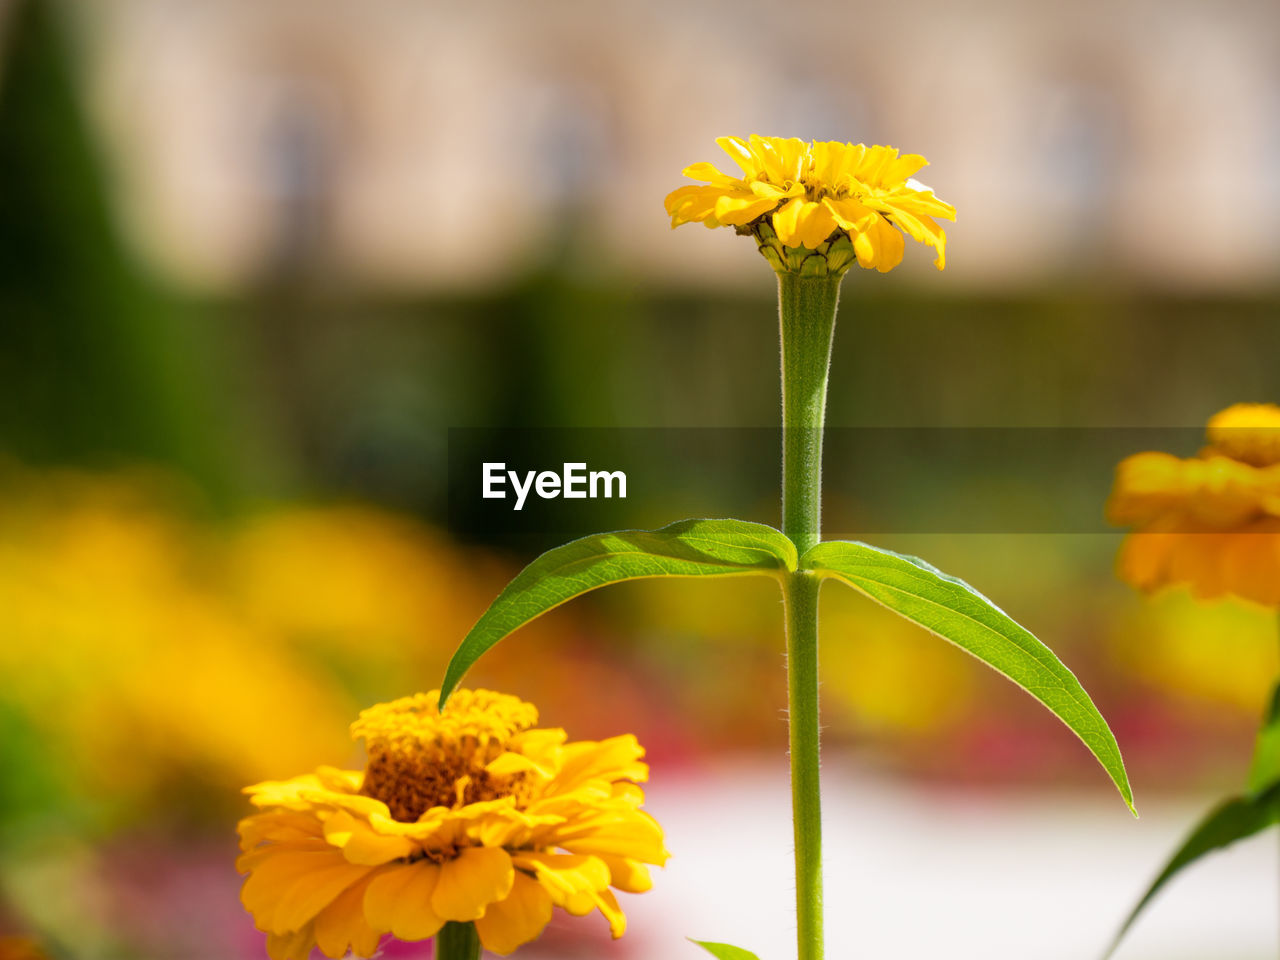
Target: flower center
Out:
[420,758]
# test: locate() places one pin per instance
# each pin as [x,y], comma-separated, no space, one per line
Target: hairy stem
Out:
[807,311]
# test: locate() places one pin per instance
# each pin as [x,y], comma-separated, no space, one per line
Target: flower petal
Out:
[608,905]
[617,758]
[341,927]
[709,173]
[360,843]
[286,890]
[738,149]
[470,882]
[902,169]
[278,826]
[692,204]
[786,222]
[572,880]
[627,875]
[849,213]
[295,945]
[815,224]
[636,836]
[516,920]
[734,209]
[398,901]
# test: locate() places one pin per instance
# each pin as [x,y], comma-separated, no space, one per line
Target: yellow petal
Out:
[287,890]
[516,920]
[281,826]
[509,764]
[902,169]
[831,161]
[814,224]
[692,204]
[636,836]
[878,244]
[786,222]
[470,882]
[736,148]
[617,758]
[630,876]
[923,203]
[295,945]
[360,843]
[608,905]
[890,245]
[865,250]
[709,173]
[874,162]
[571,879]
[762,189]
[341,927]
[739,208]
[848,213]
[398,901]
[782,159]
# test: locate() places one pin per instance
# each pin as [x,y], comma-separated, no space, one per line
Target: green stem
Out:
[807,313]
[457,941]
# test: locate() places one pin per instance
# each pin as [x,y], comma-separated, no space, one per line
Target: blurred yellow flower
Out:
[349,577]
[133,671]
[130,618]
[841,200]
[470,815]
[1211,522]
[1219,655]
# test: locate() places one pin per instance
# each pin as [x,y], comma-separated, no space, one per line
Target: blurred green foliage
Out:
[97,361]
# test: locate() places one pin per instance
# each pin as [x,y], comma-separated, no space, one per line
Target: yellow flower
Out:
[1211,522]
[838,200]
[470,815]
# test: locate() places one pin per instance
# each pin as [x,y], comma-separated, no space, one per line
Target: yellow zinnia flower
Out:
[839,200]
[1211,522]
[470,815]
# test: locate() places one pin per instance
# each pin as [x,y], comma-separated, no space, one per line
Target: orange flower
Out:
[471,816]
[1211,522]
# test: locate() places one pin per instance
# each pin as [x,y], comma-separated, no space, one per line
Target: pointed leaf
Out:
[955,611]
[1235,819]
[689,548]
[1265,770]
[723,951]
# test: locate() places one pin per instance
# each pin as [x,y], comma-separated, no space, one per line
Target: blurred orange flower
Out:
[21,948]
[1211,522]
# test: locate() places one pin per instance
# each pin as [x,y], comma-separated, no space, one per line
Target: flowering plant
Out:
[813,209]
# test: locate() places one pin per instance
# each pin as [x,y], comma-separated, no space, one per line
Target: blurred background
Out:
[268,269]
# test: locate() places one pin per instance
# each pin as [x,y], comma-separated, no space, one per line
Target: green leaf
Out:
[689,548]
[955,611]
[1235,819]
[724,951]
[1265,769]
